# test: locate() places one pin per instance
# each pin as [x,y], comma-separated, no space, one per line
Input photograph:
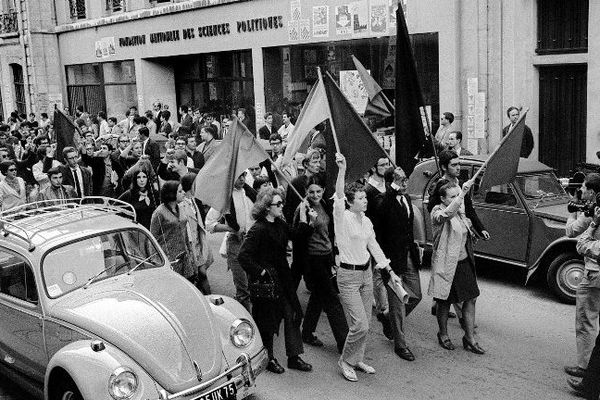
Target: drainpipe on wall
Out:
[25,41]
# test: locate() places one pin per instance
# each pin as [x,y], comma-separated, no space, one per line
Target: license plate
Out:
[225,392]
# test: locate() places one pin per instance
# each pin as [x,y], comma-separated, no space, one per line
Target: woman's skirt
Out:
[464,285]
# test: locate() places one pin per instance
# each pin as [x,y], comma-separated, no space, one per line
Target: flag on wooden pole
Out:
[238,151]
[65,131]
[501,167]
[378,104]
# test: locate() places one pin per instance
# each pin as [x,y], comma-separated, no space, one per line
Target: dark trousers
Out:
[591,379]
[291,327]
[323,297]
[398,311]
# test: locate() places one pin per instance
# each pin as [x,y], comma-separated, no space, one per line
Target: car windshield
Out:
[540,187]
[70,267]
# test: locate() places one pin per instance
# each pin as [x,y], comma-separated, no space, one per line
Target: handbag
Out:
[264,289]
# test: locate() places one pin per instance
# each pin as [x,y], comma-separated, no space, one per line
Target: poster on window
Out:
[304,27]
[393,7]
[321,21]
[354,89]
[360,16]
[293,31]
[295,10]
[389,76]
[343,20]
[379,16]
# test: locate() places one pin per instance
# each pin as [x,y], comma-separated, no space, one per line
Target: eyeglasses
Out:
[12,169]
[278,204]
[124,141]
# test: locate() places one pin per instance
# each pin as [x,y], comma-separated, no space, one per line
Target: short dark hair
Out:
[113,119]
[510,109]
[592,181]
[41,151]
[187,181]
[53,171]
[149,114]
[67,150]
[351,189]
[317,179]
[144,131]
[168,191]
[268,114]
[101,114]
[445,156]
[212,130]
[44,115]
[184,108]
[458,134]
[5,165]
[449,116]
[443,189]
[259,181]
[166,114]
[140,120]
[275,137]
[180,155]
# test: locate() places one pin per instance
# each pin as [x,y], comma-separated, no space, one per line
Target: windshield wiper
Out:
[144,261]
[94,277]
[547,194]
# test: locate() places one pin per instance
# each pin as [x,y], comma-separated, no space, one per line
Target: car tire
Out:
[67,390]
[564,275]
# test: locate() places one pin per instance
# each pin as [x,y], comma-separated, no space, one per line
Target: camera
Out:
[587,207]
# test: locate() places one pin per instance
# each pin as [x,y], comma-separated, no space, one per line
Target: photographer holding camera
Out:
[588,292]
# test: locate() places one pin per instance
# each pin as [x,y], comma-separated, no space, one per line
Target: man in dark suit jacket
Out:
[74,175]
[392,218]
[455,144]
[513,114]
[149,147]
[267,130]
[186,121]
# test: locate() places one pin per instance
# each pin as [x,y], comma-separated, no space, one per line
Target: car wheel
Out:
[67,390]
[564,275]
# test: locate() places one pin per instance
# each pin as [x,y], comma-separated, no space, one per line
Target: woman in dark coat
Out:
[263,256]
[141,196]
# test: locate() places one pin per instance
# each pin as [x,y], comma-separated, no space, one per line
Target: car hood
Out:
[157,318]
[557,212]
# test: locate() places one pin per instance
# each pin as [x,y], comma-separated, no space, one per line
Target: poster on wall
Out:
[480,101]
[304,28]
[360,16]
[379,16]
[343,20]
[287,72]
[393,7]
[321,21]
[105,47]
[354,89]
[295,10]
[293,31]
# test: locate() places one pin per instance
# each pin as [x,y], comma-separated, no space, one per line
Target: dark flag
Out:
[501,167]
[238,151]
[65,132]
[356,141]
[378,104]
[410,136]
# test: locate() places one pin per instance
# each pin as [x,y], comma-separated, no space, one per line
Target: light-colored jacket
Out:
[9,198]
[196,233]
[448,224]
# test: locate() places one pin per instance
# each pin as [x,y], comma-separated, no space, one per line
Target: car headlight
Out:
[122,384]
[241,332]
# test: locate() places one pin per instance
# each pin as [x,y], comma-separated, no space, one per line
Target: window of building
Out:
[77,9]
[108,87]
[20,101]
[113,6]
[1,108]
[16,279]
[562,26]
[290,71]
[218,82]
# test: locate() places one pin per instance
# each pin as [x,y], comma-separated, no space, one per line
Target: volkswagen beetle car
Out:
[525,218]
[91,309]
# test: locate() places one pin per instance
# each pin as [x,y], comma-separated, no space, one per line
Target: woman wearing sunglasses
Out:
[263,256]
[12,188]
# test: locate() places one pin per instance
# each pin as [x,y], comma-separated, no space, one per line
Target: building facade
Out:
[475,58]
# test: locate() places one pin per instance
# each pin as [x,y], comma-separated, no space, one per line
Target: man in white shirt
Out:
[105,129]
[287,128]
[236,223]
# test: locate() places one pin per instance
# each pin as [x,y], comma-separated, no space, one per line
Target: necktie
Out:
[77,186]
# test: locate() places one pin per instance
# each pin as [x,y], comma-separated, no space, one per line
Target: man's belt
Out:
[353,267]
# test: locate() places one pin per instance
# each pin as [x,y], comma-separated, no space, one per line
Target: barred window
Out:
[115,5]
[19,82]
[562,26]
[77,9]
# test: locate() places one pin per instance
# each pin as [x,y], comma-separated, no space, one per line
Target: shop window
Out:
[108,87]
[19,82]
[77,9]
[562,26]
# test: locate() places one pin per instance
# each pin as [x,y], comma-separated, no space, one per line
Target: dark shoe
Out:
[297,363]
[387,326]
[577,386]
[472,347]
[434,312]
[275,367]
[575,371]
[446,343]
[405,354]
[313,341]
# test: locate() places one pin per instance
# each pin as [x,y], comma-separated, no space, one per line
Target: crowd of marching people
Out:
[352,244]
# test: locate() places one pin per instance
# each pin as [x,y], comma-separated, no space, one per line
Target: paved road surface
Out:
[528,336]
